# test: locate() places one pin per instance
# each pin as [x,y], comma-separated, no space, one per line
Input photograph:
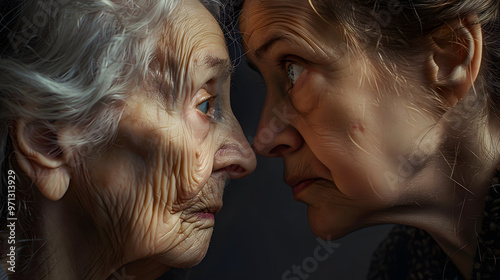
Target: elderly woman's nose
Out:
[275,135]
[236,157]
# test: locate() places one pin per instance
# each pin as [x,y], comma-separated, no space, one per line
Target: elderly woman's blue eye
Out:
[293,71]
[203,107]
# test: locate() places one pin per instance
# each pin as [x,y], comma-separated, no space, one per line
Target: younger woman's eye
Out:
[293,71]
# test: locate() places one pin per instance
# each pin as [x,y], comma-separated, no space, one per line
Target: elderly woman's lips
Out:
[208,213]
[301,186]
[205,215]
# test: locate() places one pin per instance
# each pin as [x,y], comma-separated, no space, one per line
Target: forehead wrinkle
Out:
[300,12]
[176,57]
[275,20]
[202,38]
[168,63]
[271,41]
[292,38]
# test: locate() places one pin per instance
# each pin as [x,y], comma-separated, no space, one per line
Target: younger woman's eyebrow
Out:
[269,43]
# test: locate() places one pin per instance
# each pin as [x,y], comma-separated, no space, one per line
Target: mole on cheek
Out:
[359,127]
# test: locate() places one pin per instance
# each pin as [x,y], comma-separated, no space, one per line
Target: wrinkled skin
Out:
[144,203]
[334,132]
[375,151]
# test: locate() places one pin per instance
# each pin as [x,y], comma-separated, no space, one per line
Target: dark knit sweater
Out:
[411,253]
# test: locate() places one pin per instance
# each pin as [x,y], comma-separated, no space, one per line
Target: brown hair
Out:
[395,29]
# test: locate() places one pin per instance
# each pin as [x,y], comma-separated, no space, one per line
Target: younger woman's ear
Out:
[456,58]
[40,156]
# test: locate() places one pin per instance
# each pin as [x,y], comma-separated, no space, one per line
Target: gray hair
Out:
[73,63]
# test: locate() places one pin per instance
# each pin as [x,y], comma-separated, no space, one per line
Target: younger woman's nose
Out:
[275,135]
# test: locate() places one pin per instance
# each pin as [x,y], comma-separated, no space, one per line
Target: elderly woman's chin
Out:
[188,252]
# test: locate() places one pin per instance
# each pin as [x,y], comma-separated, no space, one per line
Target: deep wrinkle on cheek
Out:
[149,153]
[174,179]
[189,155]
[198,125]
[194,161]
[164,148]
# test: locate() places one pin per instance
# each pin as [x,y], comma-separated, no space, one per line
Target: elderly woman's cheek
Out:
[198,150]
[198,125]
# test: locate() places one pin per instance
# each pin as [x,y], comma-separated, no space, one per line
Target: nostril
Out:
[278,150]
[234,168]
[236,171]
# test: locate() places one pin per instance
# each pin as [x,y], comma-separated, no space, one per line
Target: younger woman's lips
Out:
[301,186]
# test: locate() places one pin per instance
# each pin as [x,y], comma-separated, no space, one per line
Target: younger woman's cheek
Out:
[310,91]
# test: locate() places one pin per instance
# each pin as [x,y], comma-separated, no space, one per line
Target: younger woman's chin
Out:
[330,225]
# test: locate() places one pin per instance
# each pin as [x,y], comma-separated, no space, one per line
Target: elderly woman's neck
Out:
[74,249]
[66,250]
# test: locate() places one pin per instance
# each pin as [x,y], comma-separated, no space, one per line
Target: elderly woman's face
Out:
[340,138]
[155,191]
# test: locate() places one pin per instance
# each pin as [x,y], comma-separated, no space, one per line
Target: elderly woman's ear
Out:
[456,58]
[39,153]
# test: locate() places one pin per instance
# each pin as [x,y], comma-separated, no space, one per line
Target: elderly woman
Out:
[387,112]
[117,137]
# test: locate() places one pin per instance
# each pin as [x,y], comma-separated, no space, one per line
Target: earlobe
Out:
[40,157]
[456,58]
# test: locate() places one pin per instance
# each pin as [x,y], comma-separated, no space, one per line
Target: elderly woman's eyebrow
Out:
[222,66]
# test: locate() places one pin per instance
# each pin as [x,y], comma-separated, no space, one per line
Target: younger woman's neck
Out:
[452,197]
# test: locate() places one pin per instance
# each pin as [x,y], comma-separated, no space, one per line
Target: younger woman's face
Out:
[345,136]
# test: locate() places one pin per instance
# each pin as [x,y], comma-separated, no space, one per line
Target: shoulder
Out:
[411,253]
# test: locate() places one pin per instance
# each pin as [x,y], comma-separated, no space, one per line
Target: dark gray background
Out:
[262,231]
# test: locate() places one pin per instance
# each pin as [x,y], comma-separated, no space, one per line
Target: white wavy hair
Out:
[73,63]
